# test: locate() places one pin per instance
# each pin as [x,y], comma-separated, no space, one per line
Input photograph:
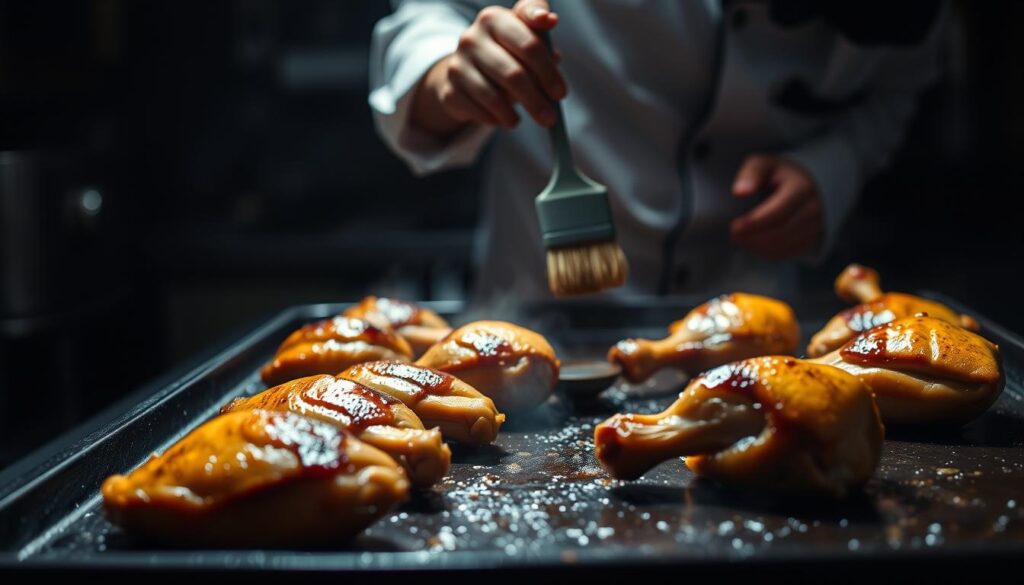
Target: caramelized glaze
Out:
[413,381]
[724,329]
[331,345]
[928,345]
[343,402]
[233,456]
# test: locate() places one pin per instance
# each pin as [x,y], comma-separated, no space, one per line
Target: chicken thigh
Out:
[776,422]
[420,326]
[512,365]
[924,370]
[330,346]
[724,329]
[257,479]
[378,419]
[439,399]
[861,284]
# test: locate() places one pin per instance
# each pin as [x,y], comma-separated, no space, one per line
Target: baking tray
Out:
[537,498]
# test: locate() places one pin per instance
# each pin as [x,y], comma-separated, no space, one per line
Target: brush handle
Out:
[565,175]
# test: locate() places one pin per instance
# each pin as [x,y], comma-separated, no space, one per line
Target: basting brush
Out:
[576,223]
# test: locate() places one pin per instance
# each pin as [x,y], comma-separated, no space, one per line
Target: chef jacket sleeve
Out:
[865,137]
[405,45]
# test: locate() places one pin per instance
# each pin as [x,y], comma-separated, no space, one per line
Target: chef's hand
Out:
[500,61]
[790,222]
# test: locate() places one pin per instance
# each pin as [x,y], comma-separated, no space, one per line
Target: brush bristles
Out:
[585,269]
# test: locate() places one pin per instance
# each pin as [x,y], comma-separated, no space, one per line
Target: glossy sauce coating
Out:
[928,345]
[415,381]
[232,456]
[345,402]
[396,312]
[487,343]
[342,329]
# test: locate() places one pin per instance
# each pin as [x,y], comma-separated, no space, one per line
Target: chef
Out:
[733,137]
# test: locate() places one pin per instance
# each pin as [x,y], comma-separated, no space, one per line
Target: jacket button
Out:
[701,149]
[740,18]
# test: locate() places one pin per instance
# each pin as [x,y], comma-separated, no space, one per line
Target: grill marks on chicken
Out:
[862,284]
[726,328]
[257,479]
[330,346]
[776,422]
[378,419]
[418,325]
[514,366]
[924,370]
[438,398]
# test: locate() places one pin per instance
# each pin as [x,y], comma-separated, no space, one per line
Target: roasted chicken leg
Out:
[861,284]
[924,370]
[439,399]
[776,422]
[512,365]
[724,329]
[330,346]
[378,419]
[257,479]
[420,326]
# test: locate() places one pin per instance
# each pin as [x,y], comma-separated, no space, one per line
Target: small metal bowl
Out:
[583,379]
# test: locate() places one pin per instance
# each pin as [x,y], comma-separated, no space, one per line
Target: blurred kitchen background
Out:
[173,172]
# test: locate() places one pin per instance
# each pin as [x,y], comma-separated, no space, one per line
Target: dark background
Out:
[171,172]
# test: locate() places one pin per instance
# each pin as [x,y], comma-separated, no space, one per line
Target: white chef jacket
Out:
[666,100]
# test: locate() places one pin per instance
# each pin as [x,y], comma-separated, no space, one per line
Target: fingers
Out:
[505,71]
[790,221]
[525,46]
[536,14]
[754,174]
[799,233]
[474,88]
[774,210]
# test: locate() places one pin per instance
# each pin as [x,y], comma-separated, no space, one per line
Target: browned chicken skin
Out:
[378,419]
[439,399]
[420,326]
[862,284]
[257,479]
[330,346]
[777,422]
[924,370]
[724,329]
[512,365]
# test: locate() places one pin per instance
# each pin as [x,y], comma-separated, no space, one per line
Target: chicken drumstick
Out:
[257,479]
[724,329]
[420,326]
[924,370]
[776,422]
[330,346]
[439,399]
[861,284]
[375,418]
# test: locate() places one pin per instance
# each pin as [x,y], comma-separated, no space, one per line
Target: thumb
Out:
[536,14]
[753,174]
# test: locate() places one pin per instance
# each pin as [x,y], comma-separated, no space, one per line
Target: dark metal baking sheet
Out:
[537,498]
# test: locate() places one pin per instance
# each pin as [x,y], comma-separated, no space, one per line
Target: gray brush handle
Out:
[565,173]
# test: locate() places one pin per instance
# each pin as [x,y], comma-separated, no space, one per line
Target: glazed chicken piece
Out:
[512,365]
[724,329]
[377,419]
[776,422]
[420,326]
[257,479]
[924,370]
[439,399]
[330,346]
[861,284]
